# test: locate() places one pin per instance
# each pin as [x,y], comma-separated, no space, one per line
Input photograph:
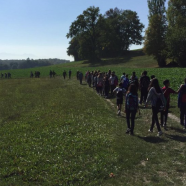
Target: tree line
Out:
[94,36]
[29,63]
[165,37]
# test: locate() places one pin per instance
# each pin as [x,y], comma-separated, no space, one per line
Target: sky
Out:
[38,28]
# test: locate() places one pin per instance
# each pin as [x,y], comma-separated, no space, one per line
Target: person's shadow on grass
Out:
[176,137]
[152,139]
[84,84]
[178,130]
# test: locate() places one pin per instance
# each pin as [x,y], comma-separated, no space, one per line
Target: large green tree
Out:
[94,35]
[123,29]
[155,35]
[86,29]
[176,37]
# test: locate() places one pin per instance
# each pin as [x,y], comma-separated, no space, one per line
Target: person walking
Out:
[69,74]
[131,107]
[80,77]
[143,85]
[166,91]
[120,93]
[182,104]
[156,97]
[64,74]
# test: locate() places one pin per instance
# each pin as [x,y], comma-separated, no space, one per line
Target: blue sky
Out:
[38,28]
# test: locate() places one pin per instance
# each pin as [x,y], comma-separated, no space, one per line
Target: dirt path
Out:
[171,116]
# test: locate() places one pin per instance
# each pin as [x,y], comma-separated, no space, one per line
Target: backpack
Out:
[159,104]
[132,102]
[125,83]
[119,94]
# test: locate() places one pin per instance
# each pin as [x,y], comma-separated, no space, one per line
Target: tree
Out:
[176,36]
[85,27]
[155,35]
[73,48]
[123,29]
[94,36]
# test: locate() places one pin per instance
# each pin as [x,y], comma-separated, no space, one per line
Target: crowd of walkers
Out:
[36,74]
[6,75]
[108,84]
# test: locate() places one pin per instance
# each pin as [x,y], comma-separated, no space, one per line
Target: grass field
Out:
[58,132]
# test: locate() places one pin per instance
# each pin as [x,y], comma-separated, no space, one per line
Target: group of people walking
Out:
[6,75]
[107,84]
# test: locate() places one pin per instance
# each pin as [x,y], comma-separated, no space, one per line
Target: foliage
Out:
[86,29]
[176,37]
[94,36]
[123,29]
[29,63]
[155,35]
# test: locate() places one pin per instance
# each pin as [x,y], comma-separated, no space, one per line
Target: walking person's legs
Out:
[155,116]
[182,116]
[128,121]
[133,114]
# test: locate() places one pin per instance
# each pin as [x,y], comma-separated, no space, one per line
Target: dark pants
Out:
[164,116]
[99,89]
[107,91]
[155,119]
[80,80]
[132,114]
[183,115]
[89,82]
[144,93]
[112,87]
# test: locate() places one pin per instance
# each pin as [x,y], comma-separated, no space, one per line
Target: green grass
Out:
[57,132]
[133,59]
[175,75]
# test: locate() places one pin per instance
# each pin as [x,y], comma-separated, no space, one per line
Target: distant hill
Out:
[29,63]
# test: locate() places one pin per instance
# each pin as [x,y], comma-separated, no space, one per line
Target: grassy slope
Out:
[134,61]
[47,140]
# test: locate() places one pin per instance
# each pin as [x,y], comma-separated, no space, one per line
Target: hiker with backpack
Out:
[182,104]
[166,91]
[158,102]
[122,77]
[143,85]
[119,95]
[126,82]
[131,107]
